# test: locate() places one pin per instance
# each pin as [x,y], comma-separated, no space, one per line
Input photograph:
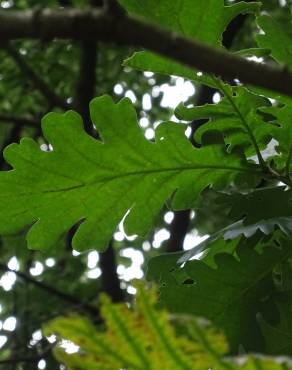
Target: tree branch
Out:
[114,8]
[178,230]
[28,359]
[109,277]
[36,80]
[86,82]
[20,121]
[13,136]
[94,24]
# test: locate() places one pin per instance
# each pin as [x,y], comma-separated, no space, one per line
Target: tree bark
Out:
[98,25]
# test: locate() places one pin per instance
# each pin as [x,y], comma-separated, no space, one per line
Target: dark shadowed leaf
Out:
[230,295]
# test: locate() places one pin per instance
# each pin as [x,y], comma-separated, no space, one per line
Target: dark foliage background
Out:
[38,77]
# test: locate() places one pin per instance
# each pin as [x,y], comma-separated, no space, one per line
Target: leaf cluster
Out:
[234,171]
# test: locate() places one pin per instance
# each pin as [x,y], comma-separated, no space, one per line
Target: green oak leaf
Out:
[278,339]
[230,295]
[202,20]
[225,118]
[95,183]
[278,336]
[147,61]
[276,38]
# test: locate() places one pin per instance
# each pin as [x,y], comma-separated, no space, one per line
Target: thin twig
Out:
[28,359]
[22,121]
[54,291]
[13,136]
[36,80]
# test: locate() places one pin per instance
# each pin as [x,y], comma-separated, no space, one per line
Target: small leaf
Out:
[224,118]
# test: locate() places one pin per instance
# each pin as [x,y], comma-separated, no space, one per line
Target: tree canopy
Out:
[145,185]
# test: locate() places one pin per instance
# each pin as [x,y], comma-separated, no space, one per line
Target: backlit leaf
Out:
[97,182]
[225,118]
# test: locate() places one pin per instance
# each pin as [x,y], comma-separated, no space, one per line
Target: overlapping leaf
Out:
[144,337]
[96,182]
[230,295]
[261,209]
[203,20]
[225,118]
[276,38]
[278,338]
[278,335]
[208,249]
[138,338]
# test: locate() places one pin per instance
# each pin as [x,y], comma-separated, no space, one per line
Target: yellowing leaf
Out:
[142,337]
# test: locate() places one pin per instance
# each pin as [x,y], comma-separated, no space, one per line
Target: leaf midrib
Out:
[152,171]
